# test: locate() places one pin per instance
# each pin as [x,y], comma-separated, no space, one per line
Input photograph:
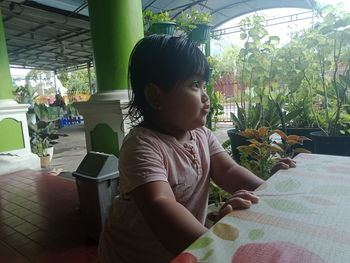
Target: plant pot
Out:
[45,161]
[49,151]
[236,140]
[166,28]
[333,145]
[308,145]
[201,33]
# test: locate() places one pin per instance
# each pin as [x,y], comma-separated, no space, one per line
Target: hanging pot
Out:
[166,28]
[201,33]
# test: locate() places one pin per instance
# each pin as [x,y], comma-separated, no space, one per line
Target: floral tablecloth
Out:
[303,216]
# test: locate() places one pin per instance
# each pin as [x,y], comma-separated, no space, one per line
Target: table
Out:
[303,216]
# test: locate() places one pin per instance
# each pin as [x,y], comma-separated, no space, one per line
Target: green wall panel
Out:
[104,139]
[11,137]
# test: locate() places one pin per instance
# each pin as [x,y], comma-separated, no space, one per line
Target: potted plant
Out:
[259,156]
[196,25]
[266,95]
[255,115]
[255,105]
[263,152]
[40,147]
[303,123]
[217,197]
[293,65]
[328,79]
[42,134]
[160,23]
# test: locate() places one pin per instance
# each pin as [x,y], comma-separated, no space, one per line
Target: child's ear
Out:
[153,95]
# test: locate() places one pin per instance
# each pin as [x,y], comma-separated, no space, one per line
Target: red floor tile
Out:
[16,240]
[32,250]
[35,219]
[78,256]
[13,221]
[7,254]
[39,220]
[26,228]
[6,231]
[11,206]
[21,212]
[47,258]
[4,214]
[21,260]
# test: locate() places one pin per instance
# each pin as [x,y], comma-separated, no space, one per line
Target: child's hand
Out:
[283,164]
[239,199]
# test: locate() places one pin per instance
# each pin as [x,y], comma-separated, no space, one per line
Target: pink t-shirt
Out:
[147,156]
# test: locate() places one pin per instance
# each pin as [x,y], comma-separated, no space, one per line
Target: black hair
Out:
[165,61]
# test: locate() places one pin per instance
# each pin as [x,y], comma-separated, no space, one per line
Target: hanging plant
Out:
[159,23]
[196,25]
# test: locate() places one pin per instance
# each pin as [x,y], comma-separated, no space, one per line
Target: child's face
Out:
[187,105]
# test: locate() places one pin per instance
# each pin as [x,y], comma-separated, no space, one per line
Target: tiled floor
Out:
[39,220]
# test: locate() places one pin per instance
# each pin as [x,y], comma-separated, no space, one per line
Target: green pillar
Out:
[5,76]
[116,26]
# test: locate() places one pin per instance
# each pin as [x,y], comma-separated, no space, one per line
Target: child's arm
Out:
[230,176]
[173,225]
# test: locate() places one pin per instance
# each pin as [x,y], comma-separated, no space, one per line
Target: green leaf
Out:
[207,255]
[274,38]
[256,234]
[288,206]
[201,242]
[236,121]
[293,114]
[301,150]
[287,185]
[243,36]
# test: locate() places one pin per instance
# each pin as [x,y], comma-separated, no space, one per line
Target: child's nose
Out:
[205,97]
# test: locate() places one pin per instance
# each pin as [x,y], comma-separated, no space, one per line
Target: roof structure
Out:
[55,34]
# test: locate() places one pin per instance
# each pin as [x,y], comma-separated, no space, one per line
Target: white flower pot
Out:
[49,151]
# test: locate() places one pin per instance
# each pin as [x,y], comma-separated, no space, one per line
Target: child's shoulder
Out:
[139,139]
[202,132]
[146,135]
[140,133]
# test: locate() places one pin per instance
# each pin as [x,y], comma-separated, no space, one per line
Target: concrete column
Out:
[14,140]
[5,76]
[116,26]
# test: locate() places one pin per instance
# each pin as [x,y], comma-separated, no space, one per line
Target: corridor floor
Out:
[39,220]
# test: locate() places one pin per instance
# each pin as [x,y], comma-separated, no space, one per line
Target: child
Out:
[166,161]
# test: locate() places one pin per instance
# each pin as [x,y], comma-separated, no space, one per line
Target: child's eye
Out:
[195,84]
